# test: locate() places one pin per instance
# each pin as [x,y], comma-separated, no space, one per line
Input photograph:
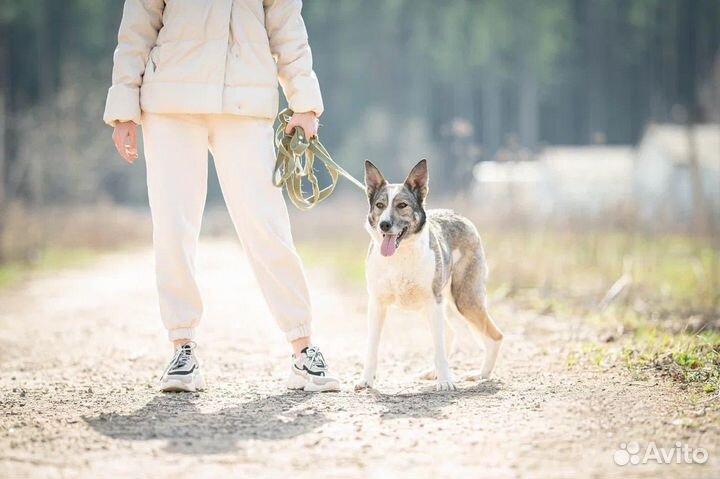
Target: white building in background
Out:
[563,181]
[586,181]
[589,179]
[662,181]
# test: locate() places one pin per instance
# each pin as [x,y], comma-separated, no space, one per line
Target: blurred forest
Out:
[457,81]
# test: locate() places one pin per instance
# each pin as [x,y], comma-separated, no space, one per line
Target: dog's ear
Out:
[417,180]
[374,180]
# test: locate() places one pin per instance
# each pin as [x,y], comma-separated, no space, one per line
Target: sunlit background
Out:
[582,136]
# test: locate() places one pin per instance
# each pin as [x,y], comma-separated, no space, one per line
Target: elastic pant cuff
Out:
[299,332]
[184,333]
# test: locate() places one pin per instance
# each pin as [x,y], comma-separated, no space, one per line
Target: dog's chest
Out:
[404,280]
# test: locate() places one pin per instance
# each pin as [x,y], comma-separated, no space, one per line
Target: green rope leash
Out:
[290,167]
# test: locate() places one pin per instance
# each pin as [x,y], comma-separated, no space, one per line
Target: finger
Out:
[132,135]
[129,156]
[290,127]
[131,151]
[316,126]
[117,137]
[128,143]
[119,146]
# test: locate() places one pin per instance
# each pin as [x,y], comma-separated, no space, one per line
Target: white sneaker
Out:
[310,372]
[183,372]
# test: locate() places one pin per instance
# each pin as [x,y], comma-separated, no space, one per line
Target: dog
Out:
[421,260]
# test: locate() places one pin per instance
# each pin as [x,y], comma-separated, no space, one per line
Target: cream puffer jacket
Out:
[211,56]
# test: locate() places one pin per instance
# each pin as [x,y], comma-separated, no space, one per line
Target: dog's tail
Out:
[469,293]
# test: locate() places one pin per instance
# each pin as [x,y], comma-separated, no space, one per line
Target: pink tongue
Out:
[387,248]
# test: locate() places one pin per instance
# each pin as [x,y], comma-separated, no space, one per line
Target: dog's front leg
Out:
[376,320]
[436,314]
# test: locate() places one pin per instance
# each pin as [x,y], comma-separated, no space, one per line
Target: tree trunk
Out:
[687,14]
[5,133]
[491,114]
[528,109]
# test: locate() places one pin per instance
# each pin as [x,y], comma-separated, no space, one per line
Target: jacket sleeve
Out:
[289,45]
[141,22]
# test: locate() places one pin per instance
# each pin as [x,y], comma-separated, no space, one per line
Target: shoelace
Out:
[316,358]
[181,357]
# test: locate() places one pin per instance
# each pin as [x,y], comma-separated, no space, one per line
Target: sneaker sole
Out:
[311,387]
[298,381]
[196,383]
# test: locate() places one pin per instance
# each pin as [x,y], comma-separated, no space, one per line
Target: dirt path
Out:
[81,352]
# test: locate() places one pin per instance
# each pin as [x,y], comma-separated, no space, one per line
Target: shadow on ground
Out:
[428,403]
[177,419]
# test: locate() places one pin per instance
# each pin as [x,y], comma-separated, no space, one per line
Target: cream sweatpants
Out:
[176,153]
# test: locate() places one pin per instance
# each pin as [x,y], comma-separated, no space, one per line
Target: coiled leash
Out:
[296,156]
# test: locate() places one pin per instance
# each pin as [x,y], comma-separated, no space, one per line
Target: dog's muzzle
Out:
[390,242]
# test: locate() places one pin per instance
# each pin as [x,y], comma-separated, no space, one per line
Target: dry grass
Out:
[548,264]
[54,238]
[101,226]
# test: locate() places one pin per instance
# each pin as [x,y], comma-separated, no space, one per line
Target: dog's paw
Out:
[363,384]
[428,374]
[445,386]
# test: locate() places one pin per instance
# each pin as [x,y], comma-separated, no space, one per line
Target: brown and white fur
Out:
[421,260]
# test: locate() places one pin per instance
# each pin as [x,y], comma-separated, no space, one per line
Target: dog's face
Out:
[396,209]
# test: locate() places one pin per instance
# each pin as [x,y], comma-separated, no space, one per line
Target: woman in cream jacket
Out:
[202,75]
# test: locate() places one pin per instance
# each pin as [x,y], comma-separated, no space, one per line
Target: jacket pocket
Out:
[151,65]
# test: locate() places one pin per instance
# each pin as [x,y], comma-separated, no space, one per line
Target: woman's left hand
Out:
[307,121]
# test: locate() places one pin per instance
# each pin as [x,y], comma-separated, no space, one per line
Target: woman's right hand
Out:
[125,139]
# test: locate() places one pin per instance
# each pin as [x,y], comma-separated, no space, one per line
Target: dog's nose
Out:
[385,226]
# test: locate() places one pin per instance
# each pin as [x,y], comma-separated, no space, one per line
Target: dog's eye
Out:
[379,205]
[400,205]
